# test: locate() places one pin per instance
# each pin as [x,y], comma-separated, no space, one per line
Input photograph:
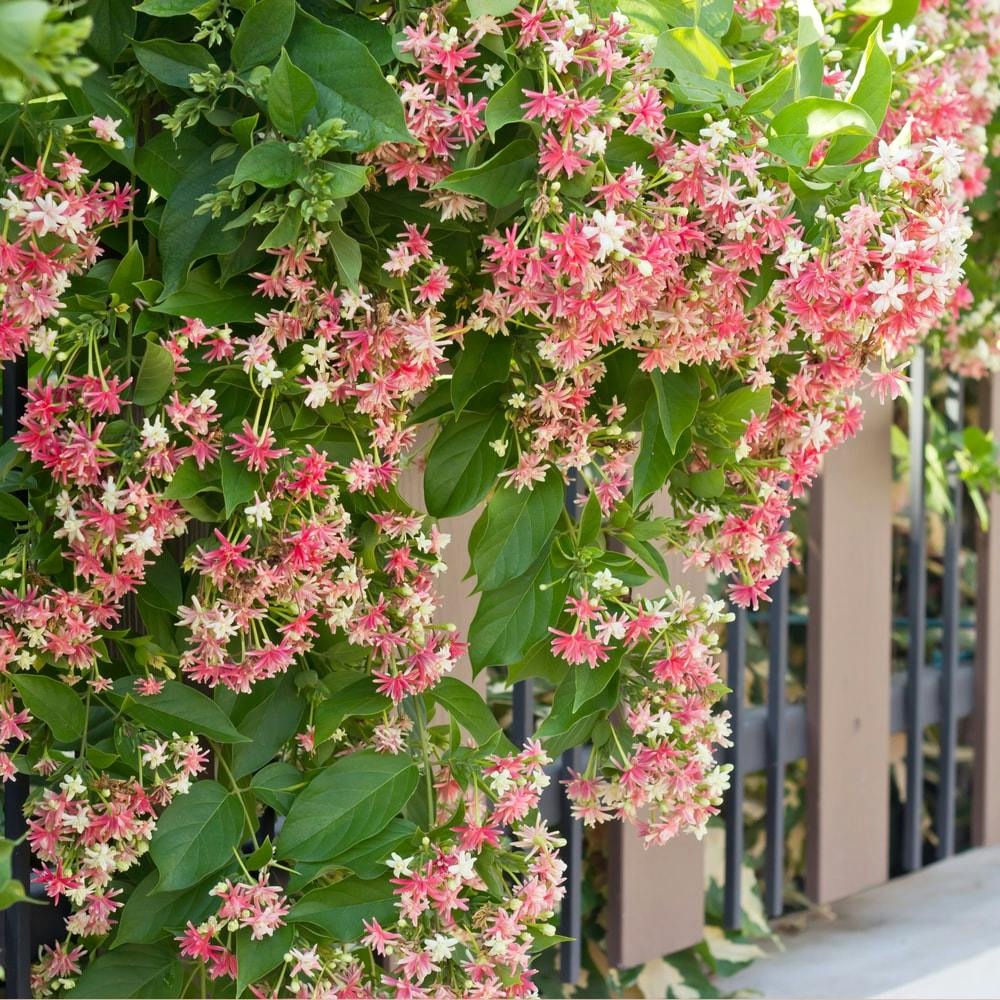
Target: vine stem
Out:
[421,713]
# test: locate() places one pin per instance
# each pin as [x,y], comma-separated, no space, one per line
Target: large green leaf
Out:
[504,106]
[172,62]
[339,910]
[656,458]
[156,373]
[269,164]
[465,705]
[196,835]
[178,708]
[272,720]
[483,361]
[461,465]
[148,916]
[677,396]
[203,297]
[238,483]
[291,96]
[255,959]
[349,83]
[498,180]
[185,237]
[870,91]
[518,526]
[702,71]
[798,127]
[510,619]
[55,703]
[570,722]
[262,32]
[134,970]
[354,798]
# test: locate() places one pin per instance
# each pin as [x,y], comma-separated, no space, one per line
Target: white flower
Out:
[901,42]
[440,947]
[492,75]
[154,434]
[464,866]
[267,373]
[609,229]
[718,133]
[560,55]
[72,785]
[400,866]
[605,583]
[142,541]
[890,159]
[592,143]
[258,512]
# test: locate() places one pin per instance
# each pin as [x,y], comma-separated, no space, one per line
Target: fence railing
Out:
[843,729]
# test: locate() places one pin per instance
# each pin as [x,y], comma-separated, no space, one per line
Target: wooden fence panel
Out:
[656,895]
[986,773]
[849,662]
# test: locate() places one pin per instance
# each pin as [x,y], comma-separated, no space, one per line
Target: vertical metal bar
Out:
[571,911]
[17,919]
[777,640]
[916,587]
[523,726]
[951,611]
[736,650]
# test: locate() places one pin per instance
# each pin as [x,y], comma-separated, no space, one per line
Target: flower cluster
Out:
[56,222]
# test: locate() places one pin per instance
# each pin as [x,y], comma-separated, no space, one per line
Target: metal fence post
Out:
[17,918]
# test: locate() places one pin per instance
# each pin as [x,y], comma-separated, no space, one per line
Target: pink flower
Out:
[106,129]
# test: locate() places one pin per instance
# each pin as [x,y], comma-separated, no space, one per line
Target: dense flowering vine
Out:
[589,253]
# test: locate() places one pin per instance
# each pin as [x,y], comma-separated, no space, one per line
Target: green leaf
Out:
[277,784]
[799,126]
[708,483]
[128,271]
[12,508]
[169,8]
[172,62]
[340,909]
[55,703]
[483,361]
[346,255]
[367,859]
[677,398]
[343,179]
[162,586]
[465,705]
[702,71]
[870,91]
[510,619]
[262,32]
[238,483]
[148,917]
[518,528]
[570,724]
[202,297]
[269,164]
[113,24]
[132,971]
[591,681]
[353,798]
[738,406]
[185,237]
[178,708]
[461,465]
[156,373]
[656,458]
[196,835]
[291,95]
[498,180]
[255,959]
[358,699]
[769,92]
[187,481]
[504,106]
[268,725]
[349,83]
